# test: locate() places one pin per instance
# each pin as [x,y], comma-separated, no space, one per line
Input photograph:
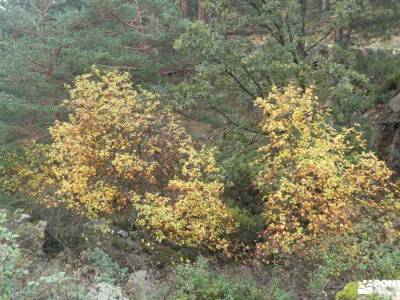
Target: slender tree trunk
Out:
[138,17]
[202,11]
[139,24]
[338,35]
[184,7]
[325,8]
[341,37]
[301,49]
[325,5]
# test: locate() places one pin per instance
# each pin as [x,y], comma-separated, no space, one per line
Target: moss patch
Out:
[349,292]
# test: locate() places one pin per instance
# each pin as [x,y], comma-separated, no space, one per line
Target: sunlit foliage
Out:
[315,182]
[197,214]
[25,169]
[119,147]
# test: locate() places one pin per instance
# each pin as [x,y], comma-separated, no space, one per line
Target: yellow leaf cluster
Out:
[25,170]
[315,183]
[190,213]
[120,148]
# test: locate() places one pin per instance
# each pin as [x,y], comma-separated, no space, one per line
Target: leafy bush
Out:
[197,216]
[23,169]
[381,68]
[109,271]
[198,281]
[9,255]
[360,255]
[317,182]
[120,148]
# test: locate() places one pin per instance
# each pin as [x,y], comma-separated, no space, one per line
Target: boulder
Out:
[41,226]
[393,158]
[395,103]
[30,236]
[122,233]
[24,217]
[105,291]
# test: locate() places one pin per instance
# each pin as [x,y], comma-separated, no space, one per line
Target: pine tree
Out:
[46,43]
[246,47]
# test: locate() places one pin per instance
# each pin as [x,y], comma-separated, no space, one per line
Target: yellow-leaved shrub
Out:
[316,183]
[25,169]
[120,148]
[190,209]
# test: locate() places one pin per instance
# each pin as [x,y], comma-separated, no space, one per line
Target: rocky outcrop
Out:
[386,133]
[394,104]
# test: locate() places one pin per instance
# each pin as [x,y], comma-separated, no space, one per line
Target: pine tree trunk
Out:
[202,11]
[301,47]
[139,24]
[184,7]
[138,17]
[325,5]
[341,37]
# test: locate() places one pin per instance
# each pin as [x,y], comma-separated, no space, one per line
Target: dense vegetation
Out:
[224,145]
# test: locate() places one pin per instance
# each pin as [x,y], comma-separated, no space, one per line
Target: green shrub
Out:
[109,271]
[278,292]
[198,281]
[381,68]
[363,255]
[9,255]
[388,265]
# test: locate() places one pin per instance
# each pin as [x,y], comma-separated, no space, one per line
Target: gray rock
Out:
[105,291]
[30,237]
[393,159]
[23,218]
[395,103]
[41,226]
[123,234]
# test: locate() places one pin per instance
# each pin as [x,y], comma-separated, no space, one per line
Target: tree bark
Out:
[184,7]
[138,17]
[341,36]
[139,25]
[325,5]
[202,11]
